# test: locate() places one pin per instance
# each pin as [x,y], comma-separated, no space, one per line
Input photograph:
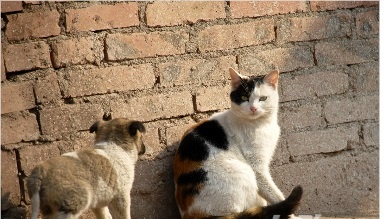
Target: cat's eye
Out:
[244,98]
[263,98]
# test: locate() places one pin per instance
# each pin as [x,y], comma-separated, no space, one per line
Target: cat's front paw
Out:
[292,216]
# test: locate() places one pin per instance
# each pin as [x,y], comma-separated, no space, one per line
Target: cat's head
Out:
[255,96]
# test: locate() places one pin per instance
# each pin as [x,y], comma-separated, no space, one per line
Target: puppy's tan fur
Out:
[99,178]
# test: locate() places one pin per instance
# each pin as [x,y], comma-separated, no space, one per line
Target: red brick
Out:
[154,106]
[59,121]
[301,116]
[76,51]
[101,17]
[139,45]
[312,85]
[313,28]
[11,6]
[367,23]
[17,97]
[347,52]
[33,25]
[10,189]
[365,77]
[47,88]
[240,9]
[27,56]
[322,141]
[19,126]
[196,70]
[176,13]
[75,82]
[284,59]
[221,37]
[213,98]
[333,5]
[352,109]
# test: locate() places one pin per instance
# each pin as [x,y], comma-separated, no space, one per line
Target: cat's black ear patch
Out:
[134,127]
[94,127]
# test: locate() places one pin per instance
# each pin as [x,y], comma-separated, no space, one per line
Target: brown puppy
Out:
[99,178]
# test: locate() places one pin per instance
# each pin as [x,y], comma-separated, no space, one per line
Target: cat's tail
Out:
[280,210]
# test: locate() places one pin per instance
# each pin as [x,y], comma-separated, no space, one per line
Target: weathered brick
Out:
[371,134]
[10,187]
[33,25]
[322,141]
[176,13]
[139,45]
[101,17]
[333,5]
[347,52]
[151,140]
[196,70]
[18,127]
[342,182]
[76,51]
[68,119]
[155,106]
[27,56]
[314,28]
[365,77]
[311,85]
[174,133]
[352,109]
[240,9]
[33,155]
[80,82]
[284,59]
[367,23]
[47,88]
[17,97]
[213,98]
[3,73]
[11,6]
[301,116]
[221,37]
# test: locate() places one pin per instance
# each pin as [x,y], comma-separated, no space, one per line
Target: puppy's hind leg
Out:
[102,213]
[120,207]
[63,215]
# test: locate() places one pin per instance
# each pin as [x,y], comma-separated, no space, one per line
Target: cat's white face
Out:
[254,97]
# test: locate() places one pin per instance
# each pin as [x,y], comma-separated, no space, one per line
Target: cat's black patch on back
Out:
[245,89]
[193,147]
[214,133]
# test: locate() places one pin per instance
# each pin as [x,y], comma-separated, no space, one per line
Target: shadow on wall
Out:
[154,184]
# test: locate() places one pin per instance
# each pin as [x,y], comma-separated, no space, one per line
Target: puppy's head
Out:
[123,132]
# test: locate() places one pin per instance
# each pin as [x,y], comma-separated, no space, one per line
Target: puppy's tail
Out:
[282,209]
[34,185]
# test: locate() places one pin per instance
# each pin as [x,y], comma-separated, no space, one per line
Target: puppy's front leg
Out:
[120,207]
[102,213]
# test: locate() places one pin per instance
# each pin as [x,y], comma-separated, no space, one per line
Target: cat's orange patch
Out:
[183,167]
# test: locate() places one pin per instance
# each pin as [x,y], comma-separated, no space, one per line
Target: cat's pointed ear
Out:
[272,78]
[235,78]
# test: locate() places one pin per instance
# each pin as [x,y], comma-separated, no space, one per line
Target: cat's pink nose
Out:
[253,109]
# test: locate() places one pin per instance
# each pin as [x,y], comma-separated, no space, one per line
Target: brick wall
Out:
[66,64]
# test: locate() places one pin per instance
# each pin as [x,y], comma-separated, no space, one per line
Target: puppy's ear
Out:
[94,127]
[134,127]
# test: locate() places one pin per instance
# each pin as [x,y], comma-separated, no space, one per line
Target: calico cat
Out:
[221,167]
